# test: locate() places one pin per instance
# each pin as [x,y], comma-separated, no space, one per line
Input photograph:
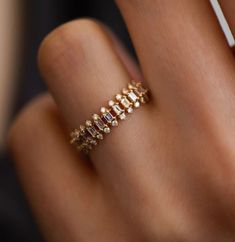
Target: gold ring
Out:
[87,136]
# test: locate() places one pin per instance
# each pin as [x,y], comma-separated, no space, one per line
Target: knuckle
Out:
[70,36]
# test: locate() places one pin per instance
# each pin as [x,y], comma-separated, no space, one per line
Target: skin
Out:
[165,174]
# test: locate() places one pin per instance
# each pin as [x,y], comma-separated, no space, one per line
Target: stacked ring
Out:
[87,136]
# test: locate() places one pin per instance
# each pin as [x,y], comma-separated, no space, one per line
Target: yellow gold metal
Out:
[87,136]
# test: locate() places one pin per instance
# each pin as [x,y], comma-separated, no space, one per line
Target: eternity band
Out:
[87,136]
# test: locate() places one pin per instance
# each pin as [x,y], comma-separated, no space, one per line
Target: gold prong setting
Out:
[94,130]
[109,117]
[119,111]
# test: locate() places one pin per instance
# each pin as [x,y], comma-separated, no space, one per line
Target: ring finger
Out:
[83,72]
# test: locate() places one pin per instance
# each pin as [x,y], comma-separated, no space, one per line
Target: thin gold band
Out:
[87,136]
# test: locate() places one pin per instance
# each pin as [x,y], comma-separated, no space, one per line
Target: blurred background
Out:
[23,25]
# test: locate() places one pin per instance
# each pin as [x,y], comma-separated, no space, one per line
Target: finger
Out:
[128,61]
[179,45]
[228,7]
[83,72]
[58,182]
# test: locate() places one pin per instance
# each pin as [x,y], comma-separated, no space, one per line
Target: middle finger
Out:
[182,50]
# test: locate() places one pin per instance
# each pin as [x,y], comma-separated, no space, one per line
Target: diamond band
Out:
[87,136]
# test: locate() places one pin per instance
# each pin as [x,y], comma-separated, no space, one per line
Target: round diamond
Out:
[103,110]
[115,123]
[95,116]
[122,116]
[91,141]
[75,134]
[82,127]
[107,130]
[118,97]
[142,100]
[99,136]
[137,104]
[130,110]
[88,123]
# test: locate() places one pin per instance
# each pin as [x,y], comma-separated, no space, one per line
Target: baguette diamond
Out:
[127,104]
[109,117]
[132,96]
[88,136]
[100,124]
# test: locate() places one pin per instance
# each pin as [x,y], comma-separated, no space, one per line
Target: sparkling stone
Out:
[75,134]
[92,131]
[94,142]
[108,116]
[122,116]
[137,104]
[103,110]
[117,109]
[82,128]
[142,99]
[115,123]
[88,123]
[118,97]
[91,141]
[99,123]
[99,136]
[132,96]
[125,102]
[111,103]
[95,116]
[130,110]
[107,130]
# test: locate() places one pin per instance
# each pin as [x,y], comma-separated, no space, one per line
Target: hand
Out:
[165,174]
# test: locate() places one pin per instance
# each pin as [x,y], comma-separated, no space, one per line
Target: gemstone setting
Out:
[132,96]
[87,136]
[100,124]
[92,130]
[109,117]
[126,104]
